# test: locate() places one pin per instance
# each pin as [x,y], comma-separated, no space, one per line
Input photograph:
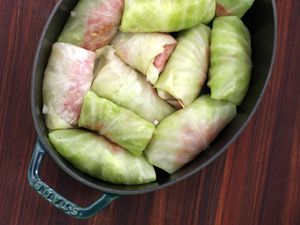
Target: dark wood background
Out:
[257,182]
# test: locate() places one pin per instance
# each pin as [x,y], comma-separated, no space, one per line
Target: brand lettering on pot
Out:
[56,199]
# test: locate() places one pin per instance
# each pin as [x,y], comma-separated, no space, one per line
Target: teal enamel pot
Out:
[262,22]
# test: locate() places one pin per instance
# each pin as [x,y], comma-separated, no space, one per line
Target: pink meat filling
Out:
[103,24]
[160,61]
[80,82]
[193,142]
[196,140]
[221,11]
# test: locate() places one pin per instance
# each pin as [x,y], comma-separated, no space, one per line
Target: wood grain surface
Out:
[257,182]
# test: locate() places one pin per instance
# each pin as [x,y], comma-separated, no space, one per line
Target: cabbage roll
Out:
[126,87]
[230,64]
[165,16]
[100,158]
[233,7]
[68,77]
[146,52]
[116,123]
[93,23]
[182,136]
[186,70]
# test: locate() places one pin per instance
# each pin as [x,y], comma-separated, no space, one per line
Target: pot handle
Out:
[56,199]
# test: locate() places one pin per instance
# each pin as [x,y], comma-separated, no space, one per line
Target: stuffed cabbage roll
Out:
[68,77]
[186,70]
[100,158]
[165,16]
[93,23]
[116,123]
[233,7]
[182,136]
[126,87]
[230,65]
[146,52]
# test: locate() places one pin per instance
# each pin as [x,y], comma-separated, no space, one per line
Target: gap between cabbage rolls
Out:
[126,87]
[230,61]
[93,23]
[146,52]
[100,158]
[68,77]
[165,16]
[233,7]
[116,123]
[179,138]
[186,71]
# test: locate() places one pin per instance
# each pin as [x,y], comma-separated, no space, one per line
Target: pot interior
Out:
[261,21]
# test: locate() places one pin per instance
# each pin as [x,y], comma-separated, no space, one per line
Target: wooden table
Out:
[256,182]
